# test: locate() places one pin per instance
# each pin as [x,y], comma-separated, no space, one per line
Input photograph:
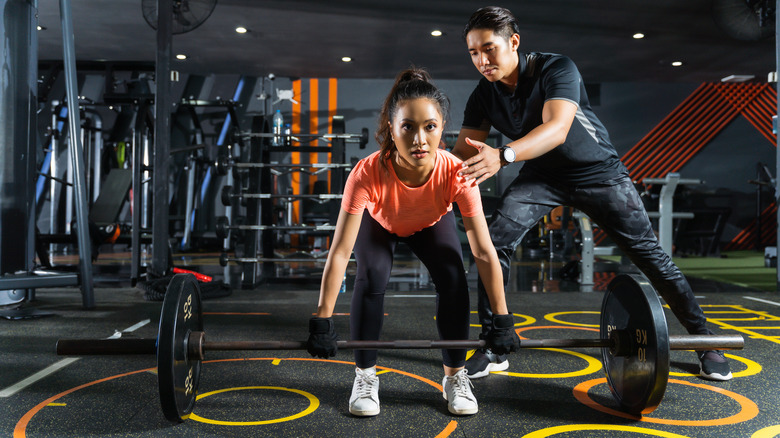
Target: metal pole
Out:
[18,101]
[77,156]
[588,257]
[777,154]
[135,230]
[162,136]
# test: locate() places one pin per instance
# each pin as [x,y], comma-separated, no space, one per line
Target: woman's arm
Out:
[487,261]
[347,227]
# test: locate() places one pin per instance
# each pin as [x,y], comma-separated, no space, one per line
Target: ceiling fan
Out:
[187,14]
[745,20]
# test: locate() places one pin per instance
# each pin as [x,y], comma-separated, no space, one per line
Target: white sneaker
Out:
[364,401]
[457,392]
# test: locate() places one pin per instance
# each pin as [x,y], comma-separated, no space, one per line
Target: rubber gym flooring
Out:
[545,392]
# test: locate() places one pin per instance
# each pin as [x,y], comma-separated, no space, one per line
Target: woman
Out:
[404,193]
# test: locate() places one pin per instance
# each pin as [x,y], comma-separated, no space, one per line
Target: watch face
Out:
[509,155]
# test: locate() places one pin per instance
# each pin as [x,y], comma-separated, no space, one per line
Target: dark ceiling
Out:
[307,38]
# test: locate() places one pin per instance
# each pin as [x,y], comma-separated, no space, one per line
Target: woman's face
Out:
[416,130]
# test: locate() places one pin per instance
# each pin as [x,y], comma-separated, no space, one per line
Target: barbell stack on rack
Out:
[634,343]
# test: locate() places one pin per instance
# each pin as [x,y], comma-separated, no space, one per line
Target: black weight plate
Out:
[225,195]
[637,381]
[178,375]
[222,165]
[222,226]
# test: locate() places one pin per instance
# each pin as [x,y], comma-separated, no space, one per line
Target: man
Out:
[538,101]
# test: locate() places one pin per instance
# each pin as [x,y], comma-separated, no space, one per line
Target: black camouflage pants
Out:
[617,208]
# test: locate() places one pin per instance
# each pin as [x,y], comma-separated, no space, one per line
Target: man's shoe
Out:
[713,365]
[364,401]
[483,361]
[457,392]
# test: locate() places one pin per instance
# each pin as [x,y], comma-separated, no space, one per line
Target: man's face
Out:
[494,56]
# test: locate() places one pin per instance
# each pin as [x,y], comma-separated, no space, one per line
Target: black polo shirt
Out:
[587,156]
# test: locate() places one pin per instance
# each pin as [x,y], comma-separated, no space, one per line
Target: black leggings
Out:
[617,208]
[438,248]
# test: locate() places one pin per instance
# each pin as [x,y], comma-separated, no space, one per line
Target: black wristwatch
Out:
[507,155]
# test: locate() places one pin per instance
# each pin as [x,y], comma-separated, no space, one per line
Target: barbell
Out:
[224,163]
[222,227]
[361,138]
[226,195]
[634,344]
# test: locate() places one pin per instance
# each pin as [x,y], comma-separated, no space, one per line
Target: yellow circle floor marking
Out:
[578,427]
[767,432]
[593,363]
[313,405]
[20,430]
[552,317]
[593,366]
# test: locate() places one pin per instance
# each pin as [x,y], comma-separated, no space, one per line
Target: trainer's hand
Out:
[482,166]
[502,338]
[322,338]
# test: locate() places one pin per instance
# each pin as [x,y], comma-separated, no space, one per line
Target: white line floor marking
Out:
[135,327]
[774,303]
[56,366]
[51,369]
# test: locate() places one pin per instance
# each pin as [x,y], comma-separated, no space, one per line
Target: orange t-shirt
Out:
[405,210]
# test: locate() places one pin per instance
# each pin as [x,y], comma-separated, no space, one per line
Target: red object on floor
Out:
[198,275]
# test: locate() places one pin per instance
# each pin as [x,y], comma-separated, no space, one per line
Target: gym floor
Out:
[545,392]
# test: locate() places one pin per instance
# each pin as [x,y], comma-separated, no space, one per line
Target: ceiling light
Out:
[241,29]
[738,78]
[677,63]
[639,36]
[436,33]
[346,59]
[181,56]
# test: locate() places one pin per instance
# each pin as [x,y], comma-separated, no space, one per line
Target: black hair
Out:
[412,83]
[494,18]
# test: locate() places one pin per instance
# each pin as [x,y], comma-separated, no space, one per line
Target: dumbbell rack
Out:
[257,256]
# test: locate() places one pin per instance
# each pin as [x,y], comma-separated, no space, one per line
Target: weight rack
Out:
[254,181]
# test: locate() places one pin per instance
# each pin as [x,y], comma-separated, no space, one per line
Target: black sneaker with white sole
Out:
[714,365]
[483,362]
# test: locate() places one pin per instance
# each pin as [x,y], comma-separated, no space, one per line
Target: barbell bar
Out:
[226,196]
[634,342]
[224,259]
[222,227]
[361,138]
[197,345]
[223,164]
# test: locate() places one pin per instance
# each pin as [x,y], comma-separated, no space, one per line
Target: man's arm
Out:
[461,149]
[557,117]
